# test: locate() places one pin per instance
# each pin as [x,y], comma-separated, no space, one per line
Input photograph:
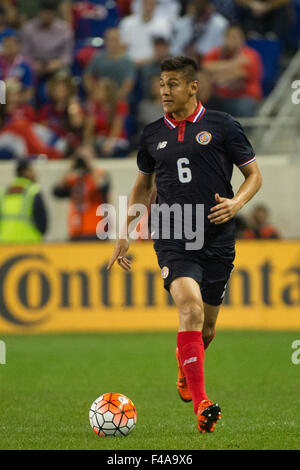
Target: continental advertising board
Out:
[66,287]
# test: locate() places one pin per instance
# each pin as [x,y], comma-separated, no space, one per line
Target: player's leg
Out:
[187,297]
[209,326]
[175,265]
[186,294]
[217,268]
[208,333]
[190,305]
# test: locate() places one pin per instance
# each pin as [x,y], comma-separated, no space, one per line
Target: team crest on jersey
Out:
[203,137]
[165,272]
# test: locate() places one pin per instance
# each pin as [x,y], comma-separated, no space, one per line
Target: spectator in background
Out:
[161,49]
[28,8]
[150,109]
[12,15]
[15,107]
[62,119]
[87,188]
[76,120]
[206,91]
[5,30]
[91,18]
[112,63]
[47,41]
[236,72]
[23,216]
[199,31]
[18,137]
[269,18]
[259,225]
[14,65]
[106,117]
[138,31]
[164,8]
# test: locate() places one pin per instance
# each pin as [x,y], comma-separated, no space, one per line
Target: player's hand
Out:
[224,211]
[120,250]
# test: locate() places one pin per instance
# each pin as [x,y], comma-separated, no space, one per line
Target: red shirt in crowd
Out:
[54,118]
[85,199]
[23,128]
[101,115]
[23,111]
[267,232]
[248,86]
[57,121]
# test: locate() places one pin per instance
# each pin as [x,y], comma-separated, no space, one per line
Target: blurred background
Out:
[81,80]
[78,81]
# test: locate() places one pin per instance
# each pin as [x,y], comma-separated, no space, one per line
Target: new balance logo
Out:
[188,361]
[162,145]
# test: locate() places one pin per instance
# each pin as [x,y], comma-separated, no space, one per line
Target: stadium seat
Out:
[270,52]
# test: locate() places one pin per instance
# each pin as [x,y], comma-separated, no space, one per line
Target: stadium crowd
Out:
[87,72]
[82,80]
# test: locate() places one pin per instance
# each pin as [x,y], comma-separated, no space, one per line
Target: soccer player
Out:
[189,153]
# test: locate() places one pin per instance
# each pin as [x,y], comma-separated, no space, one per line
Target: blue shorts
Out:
[210,267]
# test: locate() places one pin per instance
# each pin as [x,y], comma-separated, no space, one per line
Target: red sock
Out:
[191,353]
[207,343]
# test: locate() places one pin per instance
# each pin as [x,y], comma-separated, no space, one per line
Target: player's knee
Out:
[192,315]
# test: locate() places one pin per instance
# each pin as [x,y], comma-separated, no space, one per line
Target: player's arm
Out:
[140,194]
[227,208]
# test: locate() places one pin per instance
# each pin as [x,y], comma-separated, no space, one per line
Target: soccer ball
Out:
[112,415]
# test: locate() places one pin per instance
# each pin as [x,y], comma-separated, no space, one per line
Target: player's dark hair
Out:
[186,65]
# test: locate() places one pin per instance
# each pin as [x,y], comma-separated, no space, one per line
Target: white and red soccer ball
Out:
[112,414]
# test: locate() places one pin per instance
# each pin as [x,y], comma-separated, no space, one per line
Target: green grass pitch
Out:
[50,381]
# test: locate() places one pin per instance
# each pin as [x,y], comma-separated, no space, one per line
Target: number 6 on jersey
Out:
[184,172]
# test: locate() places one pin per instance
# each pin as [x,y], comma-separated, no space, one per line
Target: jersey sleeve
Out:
[238,147]
[145,162]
